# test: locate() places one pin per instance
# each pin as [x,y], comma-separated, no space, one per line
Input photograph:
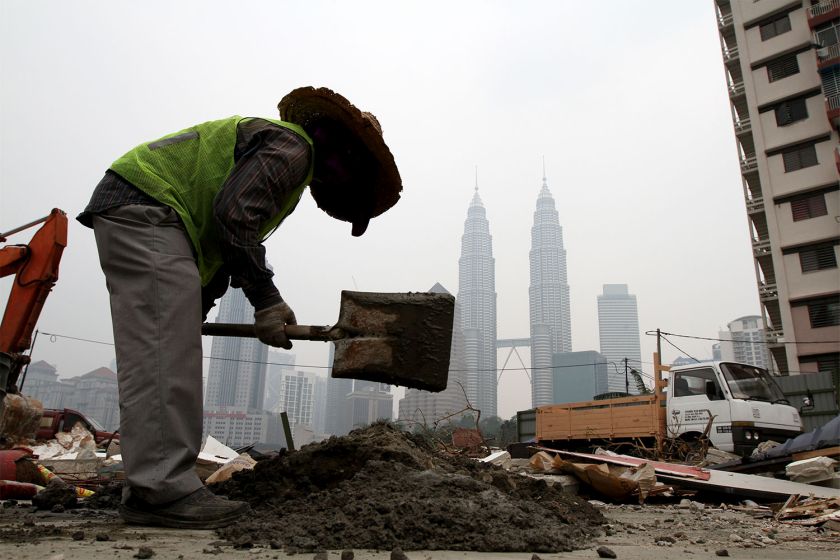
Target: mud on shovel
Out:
[395,338]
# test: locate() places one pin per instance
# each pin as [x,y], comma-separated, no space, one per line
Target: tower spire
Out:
[476,178]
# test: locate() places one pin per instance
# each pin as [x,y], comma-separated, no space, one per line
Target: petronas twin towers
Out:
[476,303]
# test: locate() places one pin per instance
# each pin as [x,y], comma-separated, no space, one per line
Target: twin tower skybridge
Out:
[513,344]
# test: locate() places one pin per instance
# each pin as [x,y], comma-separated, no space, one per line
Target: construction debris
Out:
[381,488]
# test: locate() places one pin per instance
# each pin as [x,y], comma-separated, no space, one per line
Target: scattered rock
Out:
[78,536]
[347,555]
[722,552]
[57,492]
[101,537]
[734,537]
[398,554]
[535,557]
[274,545]
[604,552]
[144,552]
[321,555]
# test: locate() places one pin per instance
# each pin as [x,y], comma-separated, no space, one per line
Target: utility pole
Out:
[626,379]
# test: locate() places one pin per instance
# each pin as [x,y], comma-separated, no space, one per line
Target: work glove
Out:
[270,324]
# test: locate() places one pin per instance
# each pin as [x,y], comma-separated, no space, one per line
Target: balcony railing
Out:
[832,102]
[760,246]
[736,89]
[730,54]
[768,291]
[724,20]
[822,8]
[749,164]
[828,53]
[755,205]
[774,335]
[743,125]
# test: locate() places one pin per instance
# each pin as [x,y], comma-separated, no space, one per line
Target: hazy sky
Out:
[625,100]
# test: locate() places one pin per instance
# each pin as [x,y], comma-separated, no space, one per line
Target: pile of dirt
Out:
[381,488]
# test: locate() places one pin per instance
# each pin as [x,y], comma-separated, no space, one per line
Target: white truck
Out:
[744,403]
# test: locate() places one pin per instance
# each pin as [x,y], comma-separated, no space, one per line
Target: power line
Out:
[680,349]
[653,333]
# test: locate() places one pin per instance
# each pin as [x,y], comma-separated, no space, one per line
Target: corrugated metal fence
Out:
[821,387]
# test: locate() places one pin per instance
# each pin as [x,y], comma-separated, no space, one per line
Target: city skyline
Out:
[639,200]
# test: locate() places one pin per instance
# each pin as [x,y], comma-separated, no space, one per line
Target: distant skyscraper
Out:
[427,407]
[579,376]
[475,308]
[368,402]
[297,397]
[237,365]
[279,364]
[744,342]
[618,326]
[548,296]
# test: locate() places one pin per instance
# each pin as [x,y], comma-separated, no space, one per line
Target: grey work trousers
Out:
[155,291]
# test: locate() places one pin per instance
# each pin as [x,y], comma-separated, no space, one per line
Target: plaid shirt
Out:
[270,161]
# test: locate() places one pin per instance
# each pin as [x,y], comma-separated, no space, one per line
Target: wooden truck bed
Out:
[625,417]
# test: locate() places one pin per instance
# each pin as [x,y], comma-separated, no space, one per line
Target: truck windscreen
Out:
[751,383]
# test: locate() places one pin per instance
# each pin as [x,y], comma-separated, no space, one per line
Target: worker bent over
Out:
[179,219]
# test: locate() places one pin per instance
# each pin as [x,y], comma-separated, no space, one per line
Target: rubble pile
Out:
[380,488]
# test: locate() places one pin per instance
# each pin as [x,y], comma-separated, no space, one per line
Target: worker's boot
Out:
[200,510]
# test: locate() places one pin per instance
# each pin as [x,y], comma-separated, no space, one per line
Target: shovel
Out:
[394,338]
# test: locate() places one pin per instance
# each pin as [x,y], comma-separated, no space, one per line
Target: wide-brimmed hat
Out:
[307,106]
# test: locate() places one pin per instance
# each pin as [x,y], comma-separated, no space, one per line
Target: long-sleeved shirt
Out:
[270,161]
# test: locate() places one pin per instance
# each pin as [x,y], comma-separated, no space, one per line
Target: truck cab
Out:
[745,405]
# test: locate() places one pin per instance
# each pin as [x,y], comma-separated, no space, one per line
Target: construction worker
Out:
[179,219]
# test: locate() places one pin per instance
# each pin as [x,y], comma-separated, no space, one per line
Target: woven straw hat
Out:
[305,106]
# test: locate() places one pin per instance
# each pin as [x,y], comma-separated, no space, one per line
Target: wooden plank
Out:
[824,452]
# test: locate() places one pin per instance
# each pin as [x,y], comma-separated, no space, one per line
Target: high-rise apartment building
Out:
[297,397]
[744,342]
[475,308]
[782,66]
[425,407]
[548,297]
[618,328]
[337,417]
[237,365]
[280,364]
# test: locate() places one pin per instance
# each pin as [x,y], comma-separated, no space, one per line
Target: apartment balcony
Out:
[820,13]
[768,291]
[828,56]
[730,54]
[837,158]
[725,21]
[774,335]
[736,89]
[749,164]
[761,247]
[832,108]
[755,205]
[743,126]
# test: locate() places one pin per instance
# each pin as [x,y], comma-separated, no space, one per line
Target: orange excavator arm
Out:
[35,266]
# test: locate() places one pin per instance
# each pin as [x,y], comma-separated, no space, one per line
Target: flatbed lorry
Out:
[735,406]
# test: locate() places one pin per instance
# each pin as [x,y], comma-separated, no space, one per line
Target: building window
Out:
[800,157]
[825,312]
[775,27]
[827,35]
[782,67]
[791,111]
[820,257]
[808,207]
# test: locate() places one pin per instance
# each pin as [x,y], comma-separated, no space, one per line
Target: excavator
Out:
[35,269]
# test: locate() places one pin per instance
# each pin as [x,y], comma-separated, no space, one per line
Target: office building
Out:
[578,376]
[548,297]
[94,394]
[236,378]
[618,329]
[782,67]
[368,402]
[297,397]
[476,309]
[425,407]
[744,342]
[240,427]
[337,415]
[280,364]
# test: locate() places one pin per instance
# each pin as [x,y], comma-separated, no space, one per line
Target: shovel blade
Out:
[395,338]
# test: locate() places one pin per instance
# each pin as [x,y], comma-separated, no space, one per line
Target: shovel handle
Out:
[294,332]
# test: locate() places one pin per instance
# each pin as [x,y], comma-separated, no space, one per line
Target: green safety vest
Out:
[186,169]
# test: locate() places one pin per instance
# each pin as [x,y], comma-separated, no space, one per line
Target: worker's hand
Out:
[270,324]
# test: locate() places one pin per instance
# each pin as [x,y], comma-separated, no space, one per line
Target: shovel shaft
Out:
[294,332]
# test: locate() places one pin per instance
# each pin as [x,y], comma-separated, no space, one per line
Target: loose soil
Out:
[381,488]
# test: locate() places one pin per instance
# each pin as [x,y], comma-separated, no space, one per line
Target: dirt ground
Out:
[384,494]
